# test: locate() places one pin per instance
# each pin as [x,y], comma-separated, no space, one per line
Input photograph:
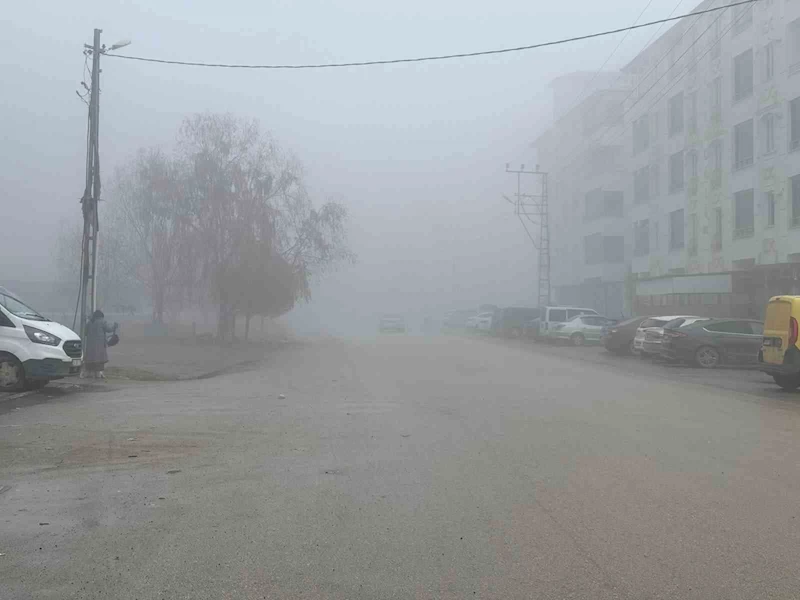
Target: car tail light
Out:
[792,331]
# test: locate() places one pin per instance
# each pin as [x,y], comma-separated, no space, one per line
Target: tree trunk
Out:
[246,326]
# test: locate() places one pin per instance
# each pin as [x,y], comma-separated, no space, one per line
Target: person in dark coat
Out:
[95,355]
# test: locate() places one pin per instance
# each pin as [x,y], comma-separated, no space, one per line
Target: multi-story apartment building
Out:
[706,161]
[587,180]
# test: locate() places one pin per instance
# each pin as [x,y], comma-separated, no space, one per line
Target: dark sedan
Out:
[713,342]
[618,338]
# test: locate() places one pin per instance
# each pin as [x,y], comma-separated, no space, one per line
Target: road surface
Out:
[405,467]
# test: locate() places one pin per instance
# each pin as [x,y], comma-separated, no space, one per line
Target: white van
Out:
[552,315]
[33,349]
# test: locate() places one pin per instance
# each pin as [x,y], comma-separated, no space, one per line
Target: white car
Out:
[647,341]
[483,322]
[471,322]
[33,349]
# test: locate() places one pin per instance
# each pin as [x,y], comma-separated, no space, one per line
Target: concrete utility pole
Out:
[91,194]
[533,208]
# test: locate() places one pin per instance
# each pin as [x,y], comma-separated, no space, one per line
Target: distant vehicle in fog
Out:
[457,319]
[581,329]
[710,343]
[618,338]
[553,315]
[510,321]
[392,324]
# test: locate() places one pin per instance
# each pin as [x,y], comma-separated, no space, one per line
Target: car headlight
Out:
[37,336]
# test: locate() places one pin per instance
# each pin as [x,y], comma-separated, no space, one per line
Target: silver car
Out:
[581,329]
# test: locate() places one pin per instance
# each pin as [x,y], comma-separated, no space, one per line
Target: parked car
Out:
[710,343]
[33,349]
[392,323]
[647,342]
[553,315]
[481,321]
[618,338]
[510,321]
[581,329]
[456,319]
[780,355]
[531,328]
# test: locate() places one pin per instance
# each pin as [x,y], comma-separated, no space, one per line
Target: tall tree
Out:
[156,225]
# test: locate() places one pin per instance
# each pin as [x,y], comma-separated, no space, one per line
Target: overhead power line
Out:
[368,63]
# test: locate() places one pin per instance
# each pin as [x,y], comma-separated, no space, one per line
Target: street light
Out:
[120,44]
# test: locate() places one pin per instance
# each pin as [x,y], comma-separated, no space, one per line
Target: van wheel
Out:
[577,339]
[787,382]
[707,357]
[12,374]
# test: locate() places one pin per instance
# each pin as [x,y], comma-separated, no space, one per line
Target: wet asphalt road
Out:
[407,467]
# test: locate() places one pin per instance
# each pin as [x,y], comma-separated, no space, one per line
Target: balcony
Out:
[743,232]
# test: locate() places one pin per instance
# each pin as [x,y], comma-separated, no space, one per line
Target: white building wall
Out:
[694,71]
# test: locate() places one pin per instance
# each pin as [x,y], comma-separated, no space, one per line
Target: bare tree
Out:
[156,226]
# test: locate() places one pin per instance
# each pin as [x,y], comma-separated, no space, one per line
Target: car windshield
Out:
[20,309]
[682,322]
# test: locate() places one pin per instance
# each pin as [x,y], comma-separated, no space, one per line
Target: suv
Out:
[33,349]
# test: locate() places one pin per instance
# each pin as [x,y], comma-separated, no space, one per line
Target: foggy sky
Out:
[417,152]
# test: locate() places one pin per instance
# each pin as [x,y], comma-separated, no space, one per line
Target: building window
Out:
[641,185]
[742,18]
[691,161]
[743,75]
[693,112]
[795,190]
[716,242]
[743,145]
[692,225]
[676,227]
[593,249]
[744,218]
[770,201]
[716,42]
[655,181]
[614,249]
[794,125]
[676,114]
[599,203]
[641,134]
[613,204]
[769,62]
[793,36]
[715,100]
[676,172]
[768,133]
[641,238]
[715,164]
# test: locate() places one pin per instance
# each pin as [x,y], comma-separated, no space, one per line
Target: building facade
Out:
[705,158]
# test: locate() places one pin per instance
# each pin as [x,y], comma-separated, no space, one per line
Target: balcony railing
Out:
[743,232]
[743,163]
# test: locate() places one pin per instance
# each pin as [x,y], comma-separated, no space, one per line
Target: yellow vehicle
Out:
[780,355]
